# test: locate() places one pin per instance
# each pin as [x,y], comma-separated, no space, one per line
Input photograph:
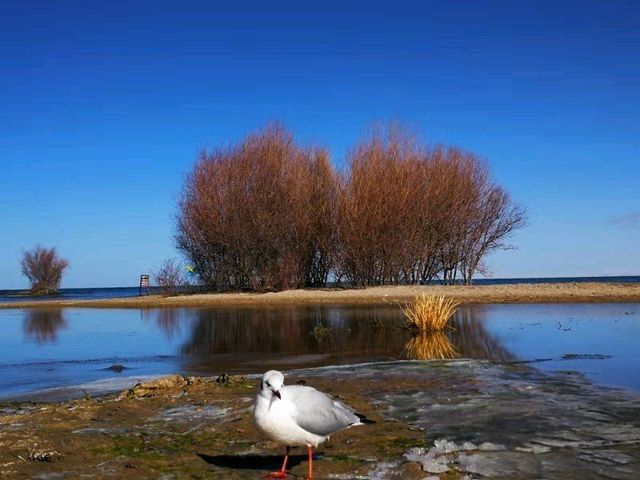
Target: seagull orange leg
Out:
[310,454]
[283,472]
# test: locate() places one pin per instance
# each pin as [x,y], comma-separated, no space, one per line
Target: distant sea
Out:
[123,292]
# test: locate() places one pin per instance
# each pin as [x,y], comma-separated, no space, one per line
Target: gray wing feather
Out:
[317,412]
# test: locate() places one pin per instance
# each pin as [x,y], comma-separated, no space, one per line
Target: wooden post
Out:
[144,284]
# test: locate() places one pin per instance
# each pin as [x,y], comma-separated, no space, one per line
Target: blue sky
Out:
[105,106]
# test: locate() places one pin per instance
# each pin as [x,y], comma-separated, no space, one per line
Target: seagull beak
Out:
[277,394]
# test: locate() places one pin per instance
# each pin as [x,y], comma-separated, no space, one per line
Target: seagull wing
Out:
[317,412]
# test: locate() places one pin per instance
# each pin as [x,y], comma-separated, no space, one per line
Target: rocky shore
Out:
[436,419]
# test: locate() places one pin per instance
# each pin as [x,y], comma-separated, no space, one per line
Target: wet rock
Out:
[431,460]
[533,448]
[436,465]
[381,471]
[606,457]
[117,368]
[524,423]
[490,447]
[191,413]
[443,446]
[498,464]
[585,356]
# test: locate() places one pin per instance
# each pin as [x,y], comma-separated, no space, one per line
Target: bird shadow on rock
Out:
[252,462]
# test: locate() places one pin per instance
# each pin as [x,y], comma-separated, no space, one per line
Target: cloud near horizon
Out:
[627,220]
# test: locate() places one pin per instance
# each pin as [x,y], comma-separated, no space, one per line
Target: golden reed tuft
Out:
[429,312]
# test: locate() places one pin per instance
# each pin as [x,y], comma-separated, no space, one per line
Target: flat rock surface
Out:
[436,419]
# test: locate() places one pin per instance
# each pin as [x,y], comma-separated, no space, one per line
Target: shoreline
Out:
[575,292]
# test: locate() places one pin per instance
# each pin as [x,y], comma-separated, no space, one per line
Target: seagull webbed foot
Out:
[275,475]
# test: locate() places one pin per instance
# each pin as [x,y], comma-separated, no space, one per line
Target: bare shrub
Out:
[259,215]
[43,268]
[380,207]
[269,214]
[170,278]
[407,213]
[478,214]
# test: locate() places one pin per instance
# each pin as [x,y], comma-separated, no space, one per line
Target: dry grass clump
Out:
[433,345]
[429,312]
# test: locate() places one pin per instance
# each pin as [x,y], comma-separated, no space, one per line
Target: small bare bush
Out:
[429,312]
[43,268]
[170,278]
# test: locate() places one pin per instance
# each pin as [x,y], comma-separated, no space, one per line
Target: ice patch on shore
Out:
[96,388]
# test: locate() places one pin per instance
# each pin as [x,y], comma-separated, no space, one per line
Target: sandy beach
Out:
[588,292]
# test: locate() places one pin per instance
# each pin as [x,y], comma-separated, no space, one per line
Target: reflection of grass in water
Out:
[430,345]
[429,312]
[322,334]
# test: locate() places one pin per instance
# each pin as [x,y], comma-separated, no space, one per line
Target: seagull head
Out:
[271,384]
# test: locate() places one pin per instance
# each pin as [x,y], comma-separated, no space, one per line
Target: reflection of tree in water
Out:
[338,334]
[168,319]
[42,325]
[291,330]
[472,340]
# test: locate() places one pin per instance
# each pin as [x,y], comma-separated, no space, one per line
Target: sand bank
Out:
[514,293]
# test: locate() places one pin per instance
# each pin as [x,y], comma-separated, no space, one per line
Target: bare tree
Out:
[170,277]
[269,214]
[259,215]
[495,219]
[379,208]
[43,268]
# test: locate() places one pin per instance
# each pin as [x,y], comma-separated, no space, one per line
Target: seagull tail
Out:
[364,419]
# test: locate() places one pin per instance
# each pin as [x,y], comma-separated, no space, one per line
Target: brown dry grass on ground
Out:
[590,292]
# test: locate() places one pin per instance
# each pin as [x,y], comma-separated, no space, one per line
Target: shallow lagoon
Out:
[43,349]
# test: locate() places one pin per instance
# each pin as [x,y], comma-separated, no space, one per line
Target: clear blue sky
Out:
[105,105]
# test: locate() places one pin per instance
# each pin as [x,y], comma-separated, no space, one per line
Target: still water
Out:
[51,348]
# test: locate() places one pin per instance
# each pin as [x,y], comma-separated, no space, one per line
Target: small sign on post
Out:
[144,284]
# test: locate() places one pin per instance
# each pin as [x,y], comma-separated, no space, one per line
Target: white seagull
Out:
[298,415]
